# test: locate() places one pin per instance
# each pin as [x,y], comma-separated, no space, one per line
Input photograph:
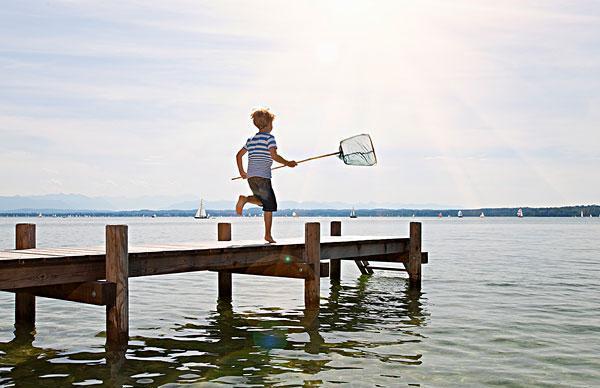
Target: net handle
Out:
[300,161]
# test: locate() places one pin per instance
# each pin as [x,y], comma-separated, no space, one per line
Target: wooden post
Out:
[312,256]
[24,302]
[224,234]
[335,268]
[414,256]
[117,271]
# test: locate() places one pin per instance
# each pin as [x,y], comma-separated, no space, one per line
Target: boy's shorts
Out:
[261,188]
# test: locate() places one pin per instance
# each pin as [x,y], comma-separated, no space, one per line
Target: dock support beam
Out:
[224,234]
[312,256]
[414,256]
[24,301]
[117,271]
[335,268]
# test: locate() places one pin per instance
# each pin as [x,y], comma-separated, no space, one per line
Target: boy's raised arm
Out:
[240,163]
[278,158]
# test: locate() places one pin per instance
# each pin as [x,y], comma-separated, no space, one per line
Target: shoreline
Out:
[587,211]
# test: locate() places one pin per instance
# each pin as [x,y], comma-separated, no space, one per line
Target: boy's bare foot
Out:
[239,207]
[270,239]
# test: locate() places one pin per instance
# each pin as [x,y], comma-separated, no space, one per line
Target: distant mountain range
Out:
[82,202]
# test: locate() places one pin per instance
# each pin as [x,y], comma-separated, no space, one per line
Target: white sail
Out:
[520,213]
[460,214]
[482,215]
[201,212]
[352,213]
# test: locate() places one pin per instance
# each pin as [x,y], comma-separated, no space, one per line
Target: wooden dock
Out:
[99,275]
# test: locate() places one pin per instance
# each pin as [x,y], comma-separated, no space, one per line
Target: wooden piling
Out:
[312,256]
[414,256]
[24,301]
[117,271]
[225,284]
[335,270]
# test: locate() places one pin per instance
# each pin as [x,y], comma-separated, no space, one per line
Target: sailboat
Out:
[352,213]
[294,214]
[460,215]
[582,214]
[482,215]
[201,212]
[520,213]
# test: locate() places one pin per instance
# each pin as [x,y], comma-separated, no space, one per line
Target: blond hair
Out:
[262,118]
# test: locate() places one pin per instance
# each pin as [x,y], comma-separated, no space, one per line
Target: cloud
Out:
[493,102]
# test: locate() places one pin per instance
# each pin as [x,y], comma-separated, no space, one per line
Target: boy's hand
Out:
[243,175]
[292,163]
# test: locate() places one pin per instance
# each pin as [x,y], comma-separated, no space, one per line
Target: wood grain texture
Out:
[117,271]
[284,270]
[414,256]
[356,249]
[24,301]
[332,247]
[224,277]
[335,265]
[59,272]
[312,256]
[224,231]
[98,293]
[24,236]
[388,268]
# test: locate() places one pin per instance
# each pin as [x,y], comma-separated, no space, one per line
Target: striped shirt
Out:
[259,156]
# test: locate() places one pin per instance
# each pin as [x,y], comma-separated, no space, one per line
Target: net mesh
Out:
[358,151]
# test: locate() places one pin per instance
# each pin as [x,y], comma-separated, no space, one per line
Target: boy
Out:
[262,150]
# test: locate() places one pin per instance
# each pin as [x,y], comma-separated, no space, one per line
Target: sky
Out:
[469,103]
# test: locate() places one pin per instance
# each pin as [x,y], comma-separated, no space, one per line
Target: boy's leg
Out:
[239,206]
[268,216]
[253,200]
[243,200]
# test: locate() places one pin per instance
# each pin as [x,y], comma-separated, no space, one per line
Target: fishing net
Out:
[358,151]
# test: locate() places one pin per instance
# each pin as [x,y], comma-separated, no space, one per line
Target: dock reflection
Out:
[353,322]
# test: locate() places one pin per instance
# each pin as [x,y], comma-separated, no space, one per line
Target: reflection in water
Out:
[264,346]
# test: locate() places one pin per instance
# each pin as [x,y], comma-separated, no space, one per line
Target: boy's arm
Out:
[278,158]
[240,163]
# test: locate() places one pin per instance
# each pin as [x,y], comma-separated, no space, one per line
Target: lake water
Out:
[505,302]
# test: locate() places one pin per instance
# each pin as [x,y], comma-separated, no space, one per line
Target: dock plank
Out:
[20,255]
[64,252]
